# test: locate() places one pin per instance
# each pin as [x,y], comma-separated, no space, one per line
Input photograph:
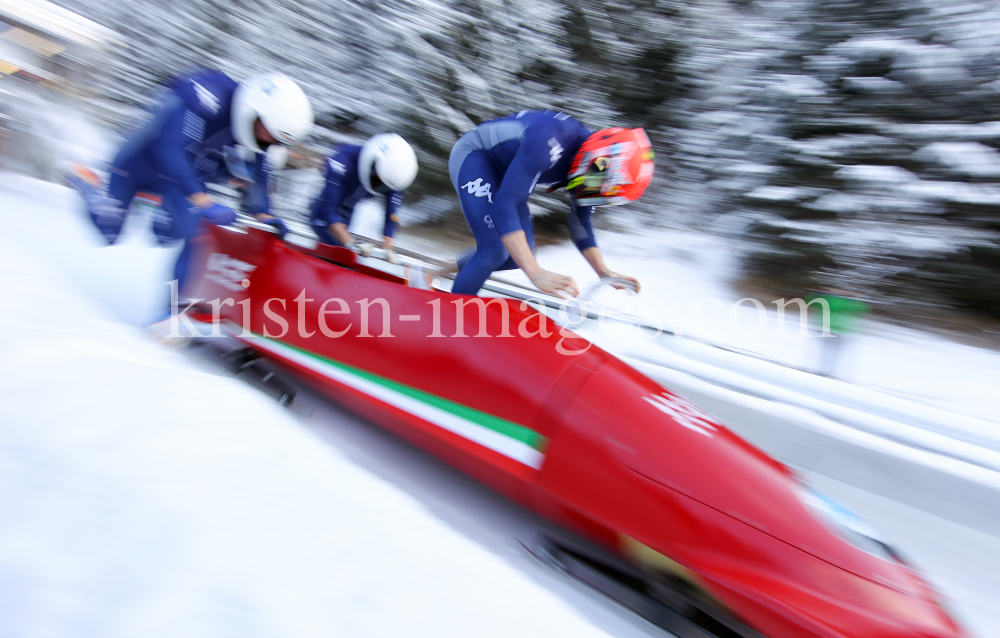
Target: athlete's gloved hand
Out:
[277,222]
[390,254]
[218,214]
[554,283]
[615,275]
[362,248]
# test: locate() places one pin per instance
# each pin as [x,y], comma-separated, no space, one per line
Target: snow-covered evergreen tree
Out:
[887,176]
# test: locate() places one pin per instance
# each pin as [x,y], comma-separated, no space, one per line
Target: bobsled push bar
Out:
[299,232]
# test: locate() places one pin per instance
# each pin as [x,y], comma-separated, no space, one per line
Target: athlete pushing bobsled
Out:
[384,165]
[186,144]
[497,165]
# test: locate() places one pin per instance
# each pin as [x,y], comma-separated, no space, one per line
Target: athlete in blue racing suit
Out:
[331,212]
[184,146]
[494,169]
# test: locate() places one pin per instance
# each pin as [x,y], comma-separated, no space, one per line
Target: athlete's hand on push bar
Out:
[554,283]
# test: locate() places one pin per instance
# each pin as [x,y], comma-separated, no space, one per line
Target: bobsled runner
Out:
[658,505]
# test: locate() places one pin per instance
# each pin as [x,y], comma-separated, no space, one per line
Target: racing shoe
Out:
[106,213]
[83,179]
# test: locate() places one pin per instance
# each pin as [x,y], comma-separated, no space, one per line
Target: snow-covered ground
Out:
[143,495]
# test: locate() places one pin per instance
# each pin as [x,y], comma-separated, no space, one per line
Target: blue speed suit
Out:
[183,146]
[495,167]
[342,193]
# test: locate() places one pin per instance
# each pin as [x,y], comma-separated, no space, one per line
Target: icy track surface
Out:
[143,496]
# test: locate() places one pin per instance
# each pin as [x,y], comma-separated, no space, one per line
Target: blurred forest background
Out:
[851,143]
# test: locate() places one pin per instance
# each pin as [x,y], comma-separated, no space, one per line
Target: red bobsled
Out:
[502,393]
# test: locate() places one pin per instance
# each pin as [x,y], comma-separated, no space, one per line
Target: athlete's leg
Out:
[320,226]
[182,221]
[323,234]
[108,207]
[490,253]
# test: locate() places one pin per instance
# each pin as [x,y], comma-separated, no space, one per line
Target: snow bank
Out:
[127,279]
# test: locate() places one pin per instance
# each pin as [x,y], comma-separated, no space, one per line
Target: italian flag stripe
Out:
[505,437]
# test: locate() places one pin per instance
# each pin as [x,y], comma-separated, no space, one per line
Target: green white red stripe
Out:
[510,439]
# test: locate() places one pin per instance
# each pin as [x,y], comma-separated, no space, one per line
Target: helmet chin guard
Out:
[613,166]
[386,159]
[278,103]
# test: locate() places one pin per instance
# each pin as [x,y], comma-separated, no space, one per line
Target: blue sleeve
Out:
[528,164]
[392,201]
[258,201]
[169,151]
[326,208]
[207,92]
[580,228]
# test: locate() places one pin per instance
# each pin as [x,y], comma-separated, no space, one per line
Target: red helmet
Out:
[614,166]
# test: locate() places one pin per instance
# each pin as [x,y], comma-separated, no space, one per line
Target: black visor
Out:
[378,185]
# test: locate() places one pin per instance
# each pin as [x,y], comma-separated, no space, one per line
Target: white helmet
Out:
[280,105]
[392,160]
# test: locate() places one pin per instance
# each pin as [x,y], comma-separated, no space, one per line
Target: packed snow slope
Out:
[143,496]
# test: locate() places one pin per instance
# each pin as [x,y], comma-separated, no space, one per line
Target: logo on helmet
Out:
[621,155]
